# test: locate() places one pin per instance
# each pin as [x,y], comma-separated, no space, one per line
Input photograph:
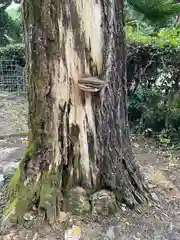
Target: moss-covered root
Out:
[50,197]
[43,193]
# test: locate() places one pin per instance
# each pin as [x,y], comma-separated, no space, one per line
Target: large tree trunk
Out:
[76,62]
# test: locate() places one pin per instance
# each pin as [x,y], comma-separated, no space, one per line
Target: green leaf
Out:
[155,10]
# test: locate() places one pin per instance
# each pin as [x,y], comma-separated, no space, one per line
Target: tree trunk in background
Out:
[78,135]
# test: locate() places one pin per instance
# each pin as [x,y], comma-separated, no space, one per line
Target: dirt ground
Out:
[158,220]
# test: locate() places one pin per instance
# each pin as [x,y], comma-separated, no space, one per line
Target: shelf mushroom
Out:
[90,84]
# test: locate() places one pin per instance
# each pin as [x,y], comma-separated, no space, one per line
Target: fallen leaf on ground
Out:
[73,233]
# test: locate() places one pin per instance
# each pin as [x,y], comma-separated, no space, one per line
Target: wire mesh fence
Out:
[12,77]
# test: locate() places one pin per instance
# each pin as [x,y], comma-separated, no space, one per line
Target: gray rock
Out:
[103,203]
[78,201]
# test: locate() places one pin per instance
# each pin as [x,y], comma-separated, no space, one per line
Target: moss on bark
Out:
[16,180]
[41,190]
[44,192]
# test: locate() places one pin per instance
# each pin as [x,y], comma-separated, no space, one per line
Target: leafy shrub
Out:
[10,27]
[13,52]
[146,110]
[153,72]
[165,37]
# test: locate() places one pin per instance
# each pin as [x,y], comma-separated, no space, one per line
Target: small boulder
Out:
[104,203]
[78,201]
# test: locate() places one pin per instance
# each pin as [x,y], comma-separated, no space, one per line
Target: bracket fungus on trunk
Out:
[91,84]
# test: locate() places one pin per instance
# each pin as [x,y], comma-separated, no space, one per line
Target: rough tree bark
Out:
[76,63]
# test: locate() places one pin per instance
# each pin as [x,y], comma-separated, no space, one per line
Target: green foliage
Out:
[164,140]
[153,69]
[31,150]
[156,11]
[153,77]
[143,110]
[169,37]
[5,3]
[10,24]
[14,183]
[137,36]
[148,109]
[15,52]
